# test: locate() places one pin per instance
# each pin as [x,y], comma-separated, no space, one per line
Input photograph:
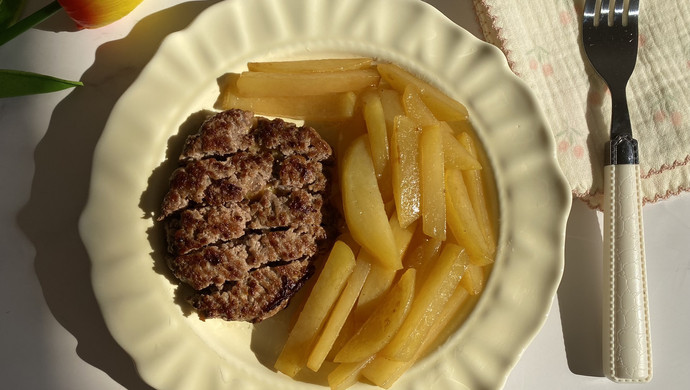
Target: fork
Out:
[609,36]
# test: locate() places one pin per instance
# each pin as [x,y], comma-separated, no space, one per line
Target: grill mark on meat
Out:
[266,291]
[194,228]
[245,214]
[230,261]
[217,182]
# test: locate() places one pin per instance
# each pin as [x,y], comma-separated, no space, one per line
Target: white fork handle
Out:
[627,340]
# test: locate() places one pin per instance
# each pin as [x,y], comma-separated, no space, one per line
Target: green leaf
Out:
[16,29]
[18,83]
[9,12]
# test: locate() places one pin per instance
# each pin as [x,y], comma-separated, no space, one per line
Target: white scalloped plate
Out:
[175,350]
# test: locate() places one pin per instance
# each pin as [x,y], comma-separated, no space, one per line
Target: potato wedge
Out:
[455,155]
[328,286]
[463,221]
[422,253]
[435,292]
[346,374]
[431,163]
[383,372]
[329,107]
[379,281]
[391,102]
[383,324]
[346,237]
[402,236]
[363,206]
[405,169]
[338,315]
[415,108]
[475,189]
[380,278]
[473,281]
[443,107]
[303,84]
[378,139]
[311,66]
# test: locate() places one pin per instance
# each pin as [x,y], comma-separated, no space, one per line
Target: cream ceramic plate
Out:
[173,349]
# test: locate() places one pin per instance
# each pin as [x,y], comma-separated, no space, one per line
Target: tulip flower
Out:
[85,13]
[97,13]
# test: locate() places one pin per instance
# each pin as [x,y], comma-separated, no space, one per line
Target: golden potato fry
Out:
[363,206]
[473,281]
[378,282]
[422,253]
[463,221]
[402,236]
[435,292]
[330,107]
[346,332]
[475,189]
[443,107]
[348,133]
[383,372]
[455,155]
[391,101]
[328,286]
[405,169]
[304,84]
[311,66]
[378,138]
[346,237]
[415,108]
[346,374]
[380,278]
[432,182]
[383,324]
[339,315]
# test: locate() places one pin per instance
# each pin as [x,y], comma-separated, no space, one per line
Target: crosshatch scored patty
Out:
[244,214]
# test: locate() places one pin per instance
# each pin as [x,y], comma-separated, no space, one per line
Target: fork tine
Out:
[589,11]
[618,18]
[633,8]
[604,13]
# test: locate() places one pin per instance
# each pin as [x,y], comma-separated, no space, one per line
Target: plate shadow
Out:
[60,188]
[580,292]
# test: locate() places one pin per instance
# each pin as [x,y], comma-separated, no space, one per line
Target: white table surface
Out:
[52,335]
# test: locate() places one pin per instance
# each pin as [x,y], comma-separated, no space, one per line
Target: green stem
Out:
[29,22]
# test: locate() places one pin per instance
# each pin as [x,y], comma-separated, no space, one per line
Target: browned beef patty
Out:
[244,214]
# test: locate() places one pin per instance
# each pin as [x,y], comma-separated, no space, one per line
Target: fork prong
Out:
[603,13]
[589,12]
[633,8]
[618,17]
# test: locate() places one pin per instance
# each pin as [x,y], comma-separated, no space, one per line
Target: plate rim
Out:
[93,210]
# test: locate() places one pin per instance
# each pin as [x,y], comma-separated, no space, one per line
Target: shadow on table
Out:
[63,161]
[580,292]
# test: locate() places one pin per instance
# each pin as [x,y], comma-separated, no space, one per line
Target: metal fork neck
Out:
[622,149]
[620,116]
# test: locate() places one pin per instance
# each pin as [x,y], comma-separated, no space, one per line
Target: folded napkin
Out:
[542,42]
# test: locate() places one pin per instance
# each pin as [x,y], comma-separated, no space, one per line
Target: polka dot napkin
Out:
[542,42]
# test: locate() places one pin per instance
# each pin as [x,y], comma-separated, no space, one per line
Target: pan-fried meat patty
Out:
[244,214]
